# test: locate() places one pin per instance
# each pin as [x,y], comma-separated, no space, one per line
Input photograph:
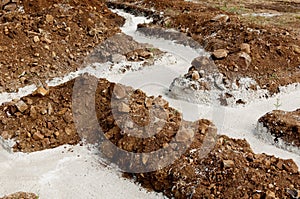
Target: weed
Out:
[277,104]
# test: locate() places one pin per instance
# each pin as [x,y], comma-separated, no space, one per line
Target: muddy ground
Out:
[268,53]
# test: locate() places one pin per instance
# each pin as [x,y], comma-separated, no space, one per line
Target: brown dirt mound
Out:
[229,170]
[273,51]
[43,39]
[21,195]
[284,125]
[39,122]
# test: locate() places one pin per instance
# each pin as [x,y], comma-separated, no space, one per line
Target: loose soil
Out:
[44,39]
[230,169]
[273,50]
[21,195]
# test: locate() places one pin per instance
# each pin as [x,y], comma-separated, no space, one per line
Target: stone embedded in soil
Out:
[38,136]
[228,163]
[41,91]
[296,49]
[221,18]
[246,48]
[21,106]
[246,59]
[220,53]
[195,75]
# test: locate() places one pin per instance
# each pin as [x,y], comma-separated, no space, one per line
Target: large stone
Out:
[220,54]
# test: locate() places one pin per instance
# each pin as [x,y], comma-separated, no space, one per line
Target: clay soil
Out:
[274,49]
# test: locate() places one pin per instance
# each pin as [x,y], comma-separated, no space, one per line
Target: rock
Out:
[221,18]
[120,91]
[6,31]
[148,102]
[36,39]
[205,64]
[228,164]
[220,53]
[218,79]
[68,131]
[159,101]
[5,135]
[195,75]
[183,135]
[296,49]
[49,18]
[41,91]
[50,109]
[33,112]
[270,195]
[295,194]
[246,57]
[10,7]
[56,134]
[38,136]
[21,106]
[245,48]
[124,108]
[117,58]
[290,166]
[145,54]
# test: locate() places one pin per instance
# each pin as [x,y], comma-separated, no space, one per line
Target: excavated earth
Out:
[40,40]
[44,39]
[281,125]
[269,54]
[229,170]
[21,195]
